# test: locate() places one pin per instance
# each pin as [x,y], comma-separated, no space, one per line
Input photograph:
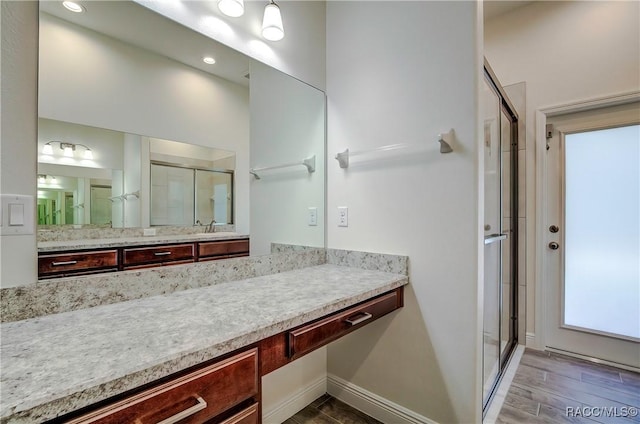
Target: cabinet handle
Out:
[64,263]
[187,412]
[365,316]
[161,253]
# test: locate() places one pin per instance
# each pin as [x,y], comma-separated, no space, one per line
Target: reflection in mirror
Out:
[122,67]
[189,184]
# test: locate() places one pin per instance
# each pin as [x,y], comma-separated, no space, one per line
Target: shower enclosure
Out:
[500,233]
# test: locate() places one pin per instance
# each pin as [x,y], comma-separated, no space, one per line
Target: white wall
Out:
[403,72]
[141,93]
[565,52]
[18,128]
[289,128]
[301,53]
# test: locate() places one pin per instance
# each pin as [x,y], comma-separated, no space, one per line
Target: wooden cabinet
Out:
[77,263]
[222,249]
[81,262]
[143,257]
[311,336]
[279,350]
[228,391]
[197,397]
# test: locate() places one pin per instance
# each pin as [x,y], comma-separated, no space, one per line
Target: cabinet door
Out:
[158,254]
[77,262]
[193,398]
[223,248]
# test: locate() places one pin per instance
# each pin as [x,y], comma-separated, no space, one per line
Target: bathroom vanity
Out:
[92,256]
[193,355]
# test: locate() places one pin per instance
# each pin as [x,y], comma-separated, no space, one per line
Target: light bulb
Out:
[272,28]
[54,180]
[73,6]
[47,149]
[232,8]
[41,179]
[68,152]
[88,154]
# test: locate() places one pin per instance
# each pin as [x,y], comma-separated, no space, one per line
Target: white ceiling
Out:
[137,25]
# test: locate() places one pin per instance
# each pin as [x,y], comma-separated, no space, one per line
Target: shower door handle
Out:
[492,238]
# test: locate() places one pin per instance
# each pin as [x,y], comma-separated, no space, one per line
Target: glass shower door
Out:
[493,246]
[500,220]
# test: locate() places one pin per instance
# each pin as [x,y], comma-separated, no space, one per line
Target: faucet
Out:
[211,227]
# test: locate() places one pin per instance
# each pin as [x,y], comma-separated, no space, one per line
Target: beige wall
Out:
[19,123]
[565,52]
[404,72]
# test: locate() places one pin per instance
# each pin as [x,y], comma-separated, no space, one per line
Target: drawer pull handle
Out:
[202,404]
[162,253]
[365,316]
[64,263]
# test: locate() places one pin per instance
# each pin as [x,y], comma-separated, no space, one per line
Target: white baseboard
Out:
[371,404]
[294,403]
[531,341]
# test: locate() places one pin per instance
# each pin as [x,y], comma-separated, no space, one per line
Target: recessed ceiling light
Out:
[208,60]
[73,6]
[233,8]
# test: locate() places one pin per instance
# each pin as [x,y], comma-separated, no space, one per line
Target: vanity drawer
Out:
[75,263]
[311,336]
[158,254]
[192,398]
[223,248]
[246,416]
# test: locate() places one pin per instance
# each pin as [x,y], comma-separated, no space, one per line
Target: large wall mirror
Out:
[136,130]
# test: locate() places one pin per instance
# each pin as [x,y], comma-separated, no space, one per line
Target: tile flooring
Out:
[548,387]
[329,410]
[545,386]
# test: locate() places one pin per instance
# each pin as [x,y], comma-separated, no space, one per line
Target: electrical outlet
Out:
[313,217]
[343,216]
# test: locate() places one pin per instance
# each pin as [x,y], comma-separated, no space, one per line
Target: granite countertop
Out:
[52,246]
[58,363]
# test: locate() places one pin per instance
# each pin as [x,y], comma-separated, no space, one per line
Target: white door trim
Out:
[542,114]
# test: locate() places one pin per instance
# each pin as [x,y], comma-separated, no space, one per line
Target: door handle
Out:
[494,238]
[553,245]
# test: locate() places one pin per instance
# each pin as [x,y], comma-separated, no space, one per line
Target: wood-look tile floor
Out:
[556,389]
[329,410]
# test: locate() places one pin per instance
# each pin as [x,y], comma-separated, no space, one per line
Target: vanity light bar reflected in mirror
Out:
[68,149]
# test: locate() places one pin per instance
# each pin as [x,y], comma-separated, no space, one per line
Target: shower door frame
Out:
[507,107]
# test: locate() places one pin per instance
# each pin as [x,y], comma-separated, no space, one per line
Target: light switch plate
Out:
[343,216]
[313,217]
[18,214]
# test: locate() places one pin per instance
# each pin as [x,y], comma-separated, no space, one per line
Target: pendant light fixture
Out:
[232,8]
[272,28]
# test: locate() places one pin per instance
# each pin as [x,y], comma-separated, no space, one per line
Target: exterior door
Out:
[592,234]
